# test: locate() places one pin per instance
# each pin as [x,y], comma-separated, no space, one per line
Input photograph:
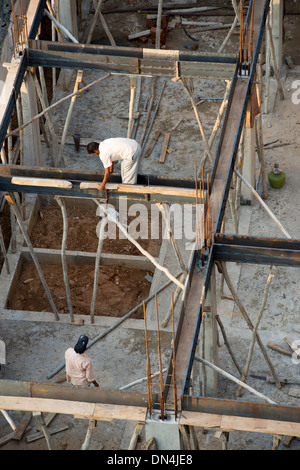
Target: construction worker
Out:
[113,150]
[79,369]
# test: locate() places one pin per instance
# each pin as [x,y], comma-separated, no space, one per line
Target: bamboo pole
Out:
[227,344]
[263,204]
[4,253]
[158,24]
[234,379]
[198,119]
[54,105]
[143,379]
[153,117]
[97,264]
[61,27]
[48,117]
[149,111]
[104,25]
[233,26]
[61,203]
[13,205]
[131,105]
[249,323]
[163,209]
[254,331]
[144,252]
[273,56]
[69,116]
[9,420]
[217,123]
[116,324]
[89,433]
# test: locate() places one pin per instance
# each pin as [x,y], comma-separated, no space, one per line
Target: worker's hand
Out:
[101,187]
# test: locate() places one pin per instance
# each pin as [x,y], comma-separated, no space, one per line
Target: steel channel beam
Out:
[256,255]
[130,60]
[241,409]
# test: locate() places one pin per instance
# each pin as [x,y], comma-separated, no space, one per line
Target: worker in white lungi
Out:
[113,150]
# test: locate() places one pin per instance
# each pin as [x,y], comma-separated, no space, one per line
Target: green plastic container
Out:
[276,180]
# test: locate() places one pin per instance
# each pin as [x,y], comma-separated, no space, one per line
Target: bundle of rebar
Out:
[246,42]
[19,31]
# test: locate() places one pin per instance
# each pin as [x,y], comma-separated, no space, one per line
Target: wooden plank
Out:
[152,144]
[238,423]
[164,147]
[53,183]
[141,189]
[110,412]
[39,435]
[79,409]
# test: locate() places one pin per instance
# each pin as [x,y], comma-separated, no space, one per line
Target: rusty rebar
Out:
[148,364]
[162,399]
[173,360]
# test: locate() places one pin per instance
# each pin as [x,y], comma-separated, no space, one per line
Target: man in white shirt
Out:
[79,369]
[113,150]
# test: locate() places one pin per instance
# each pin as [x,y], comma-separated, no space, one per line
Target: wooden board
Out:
[79,409]
[141,189]
[164,147]
[53,183]
[239,423]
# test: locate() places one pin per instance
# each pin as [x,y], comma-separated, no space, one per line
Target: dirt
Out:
[82,235]
[120,289]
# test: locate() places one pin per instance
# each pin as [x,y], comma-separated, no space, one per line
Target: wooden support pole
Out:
[254,331]
[162,397]
[88,437]
[40,420]
[61,203]
[273,56]
[217,123]
[9,420]
[3,250]
[135,436]
[153,117]
[104,24]
[13,205]
[158,24]
[48,117]
[234,379]
[227,344]
[263,204]
[149,385]
[188,91]
[69,116]
[233,26]
[131,105]
[97,264]
[249,323]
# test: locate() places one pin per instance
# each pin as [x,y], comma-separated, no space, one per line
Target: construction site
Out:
[186,283]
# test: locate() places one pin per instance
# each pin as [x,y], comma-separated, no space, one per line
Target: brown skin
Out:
[95,383]
[107,173]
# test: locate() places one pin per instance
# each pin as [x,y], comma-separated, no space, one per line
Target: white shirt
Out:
[116,148]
